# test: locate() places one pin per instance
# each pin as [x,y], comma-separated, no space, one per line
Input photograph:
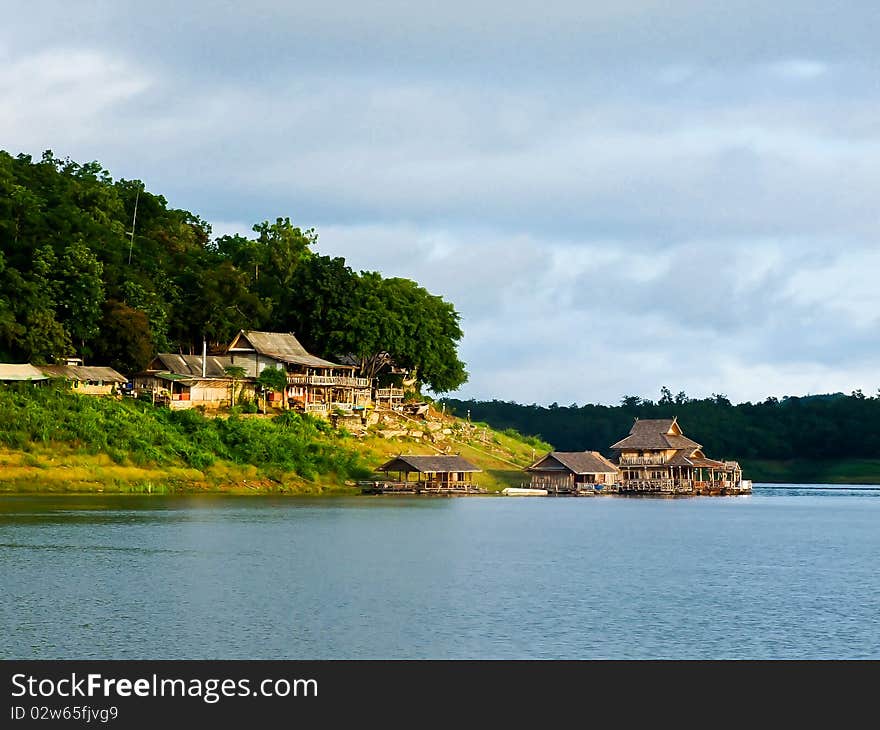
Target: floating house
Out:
[415,474]
[86,379]
[656,456]
[314,385]
[571,472]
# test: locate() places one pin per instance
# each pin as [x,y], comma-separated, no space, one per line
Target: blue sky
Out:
[615,198]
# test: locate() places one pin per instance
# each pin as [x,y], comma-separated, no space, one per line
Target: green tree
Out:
[236,372]
[274,379]
[125,341]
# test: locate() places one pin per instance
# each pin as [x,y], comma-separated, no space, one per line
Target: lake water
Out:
[783,573]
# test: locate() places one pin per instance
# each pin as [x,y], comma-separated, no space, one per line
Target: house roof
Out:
[656,433]
[577,462]
[282,346]
[20,371]
[695,457]
[428,464]
[191,365]
[83,373]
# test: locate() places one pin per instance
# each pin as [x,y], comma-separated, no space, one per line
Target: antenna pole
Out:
[133,222]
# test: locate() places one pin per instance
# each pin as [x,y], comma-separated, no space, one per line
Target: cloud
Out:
[62,94]
[615,196]
[799,69]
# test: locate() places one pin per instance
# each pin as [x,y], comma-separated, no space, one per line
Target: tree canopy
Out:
[75,279]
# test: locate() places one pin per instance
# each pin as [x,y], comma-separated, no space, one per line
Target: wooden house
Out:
[87,379]
[436,473]
[314,385]
[570,472]
[20,372]
[184,381]
[656,456]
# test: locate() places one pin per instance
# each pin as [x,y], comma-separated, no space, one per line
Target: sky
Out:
[616,196]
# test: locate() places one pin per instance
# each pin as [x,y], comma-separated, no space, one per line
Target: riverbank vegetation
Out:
[832,438]
[55,440]
[134,441]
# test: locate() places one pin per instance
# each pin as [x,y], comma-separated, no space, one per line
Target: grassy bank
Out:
[52,440]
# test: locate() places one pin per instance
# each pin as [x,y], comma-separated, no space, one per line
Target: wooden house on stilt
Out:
[656,456]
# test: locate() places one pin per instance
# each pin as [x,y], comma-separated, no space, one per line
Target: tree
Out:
[125,342]
[82,292]
[274,379]
[665,396]
[236,372]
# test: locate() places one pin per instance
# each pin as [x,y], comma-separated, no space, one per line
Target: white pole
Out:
[204,357]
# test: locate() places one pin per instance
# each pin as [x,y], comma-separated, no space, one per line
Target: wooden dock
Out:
[427,488]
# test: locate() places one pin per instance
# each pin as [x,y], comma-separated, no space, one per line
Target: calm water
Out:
[784,573]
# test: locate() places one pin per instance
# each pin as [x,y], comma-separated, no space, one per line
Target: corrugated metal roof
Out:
[83,373]
[191,365]
[282,346]
[428,464]
[20,371]
[577,462]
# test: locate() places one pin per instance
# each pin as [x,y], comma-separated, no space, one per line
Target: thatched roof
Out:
[654,434]
[83,373]
[281,346]
[428,464]
[576,462]
[191,365]
[22,371]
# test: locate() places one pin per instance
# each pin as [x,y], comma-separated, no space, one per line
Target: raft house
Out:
[657,457]
[572,472]
[437,474]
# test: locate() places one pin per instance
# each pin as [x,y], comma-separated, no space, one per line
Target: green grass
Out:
[136,434]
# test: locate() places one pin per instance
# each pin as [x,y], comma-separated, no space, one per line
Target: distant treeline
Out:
[80,273]
[818,427]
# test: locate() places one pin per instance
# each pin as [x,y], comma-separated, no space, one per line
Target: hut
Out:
[439,473]
[20,372]
[572,472]
[87,379]
[184,381]
[656,456]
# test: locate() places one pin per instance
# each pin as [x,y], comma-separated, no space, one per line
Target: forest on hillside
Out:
[81,274]
[833,426]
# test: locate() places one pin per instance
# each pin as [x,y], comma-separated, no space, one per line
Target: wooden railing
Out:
[344,381]
[642,460]
[389,392]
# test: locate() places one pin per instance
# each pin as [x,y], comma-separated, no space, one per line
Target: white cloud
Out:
[799,69]
[62,95]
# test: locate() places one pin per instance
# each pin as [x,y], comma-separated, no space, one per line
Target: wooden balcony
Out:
[389,393]
[642,460]
[341,381]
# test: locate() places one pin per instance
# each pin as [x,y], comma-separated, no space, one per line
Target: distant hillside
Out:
[830,437]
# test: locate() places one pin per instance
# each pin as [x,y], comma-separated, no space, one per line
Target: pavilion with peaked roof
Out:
[568,472]
[656,456]
[433,473]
